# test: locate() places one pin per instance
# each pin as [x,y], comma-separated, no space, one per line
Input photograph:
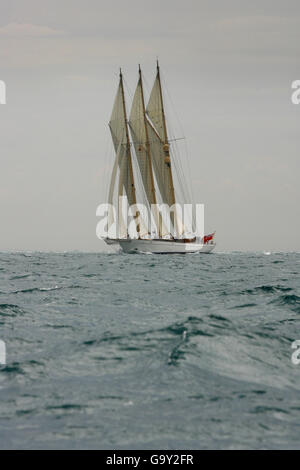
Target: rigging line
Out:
[108,166]
[177,138]
[181,128]
[144,201]
[141,190]
[141,195]
[186,192]
[128,90]
[181,173]
[147,87]
[180,177]
[178,166]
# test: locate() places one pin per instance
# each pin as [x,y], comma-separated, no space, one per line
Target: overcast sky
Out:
[228,66]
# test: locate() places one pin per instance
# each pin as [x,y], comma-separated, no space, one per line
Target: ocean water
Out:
[112,351]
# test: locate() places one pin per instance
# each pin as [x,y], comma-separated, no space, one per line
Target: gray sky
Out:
[228,67]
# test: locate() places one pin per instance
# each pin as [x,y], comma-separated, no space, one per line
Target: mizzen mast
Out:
[166,146]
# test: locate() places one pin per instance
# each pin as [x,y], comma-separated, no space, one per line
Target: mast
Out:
[149,152]
[129,157]
[166,146]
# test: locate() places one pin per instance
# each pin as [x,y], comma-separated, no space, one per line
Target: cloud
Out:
[28,30]
[258,23]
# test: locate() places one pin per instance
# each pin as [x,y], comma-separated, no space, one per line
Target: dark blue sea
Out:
[114,351]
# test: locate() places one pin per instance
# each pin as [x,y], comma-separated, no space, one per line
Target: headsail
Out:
[155,108]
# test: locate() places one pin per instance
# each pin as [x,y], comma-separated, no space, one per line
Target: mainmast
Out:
[148,151]
[129,157]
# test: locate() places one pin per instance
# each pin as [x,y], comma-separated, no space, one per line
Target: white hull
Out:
[160,246]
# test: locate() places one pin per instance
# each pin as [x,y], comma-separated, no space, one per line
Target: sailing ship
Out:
[144,169]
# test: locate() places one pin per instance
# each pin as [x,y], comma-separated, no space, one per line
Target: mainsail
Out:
[119,131]
[137,124]
[139,132]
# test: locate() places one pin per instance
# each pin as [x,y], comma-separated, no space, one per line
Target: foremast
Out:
[118,125]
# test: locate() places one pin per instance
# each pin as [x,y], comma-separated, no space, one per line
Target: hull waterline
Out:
[160,246]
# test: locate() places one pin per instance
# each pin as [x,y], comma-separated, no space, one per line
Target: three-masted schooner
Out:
[143,164]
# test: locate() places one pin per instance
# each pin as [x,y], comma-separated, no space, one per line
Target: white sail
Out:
[139,133]
[154,109]
[126,175]
[120,162]
[161,167]
[139,138]
[111,215]
[117,120]
[122,214]
[117,125]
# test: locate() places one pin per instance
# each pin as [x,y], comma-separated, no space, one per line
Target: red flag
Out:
[208,238]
